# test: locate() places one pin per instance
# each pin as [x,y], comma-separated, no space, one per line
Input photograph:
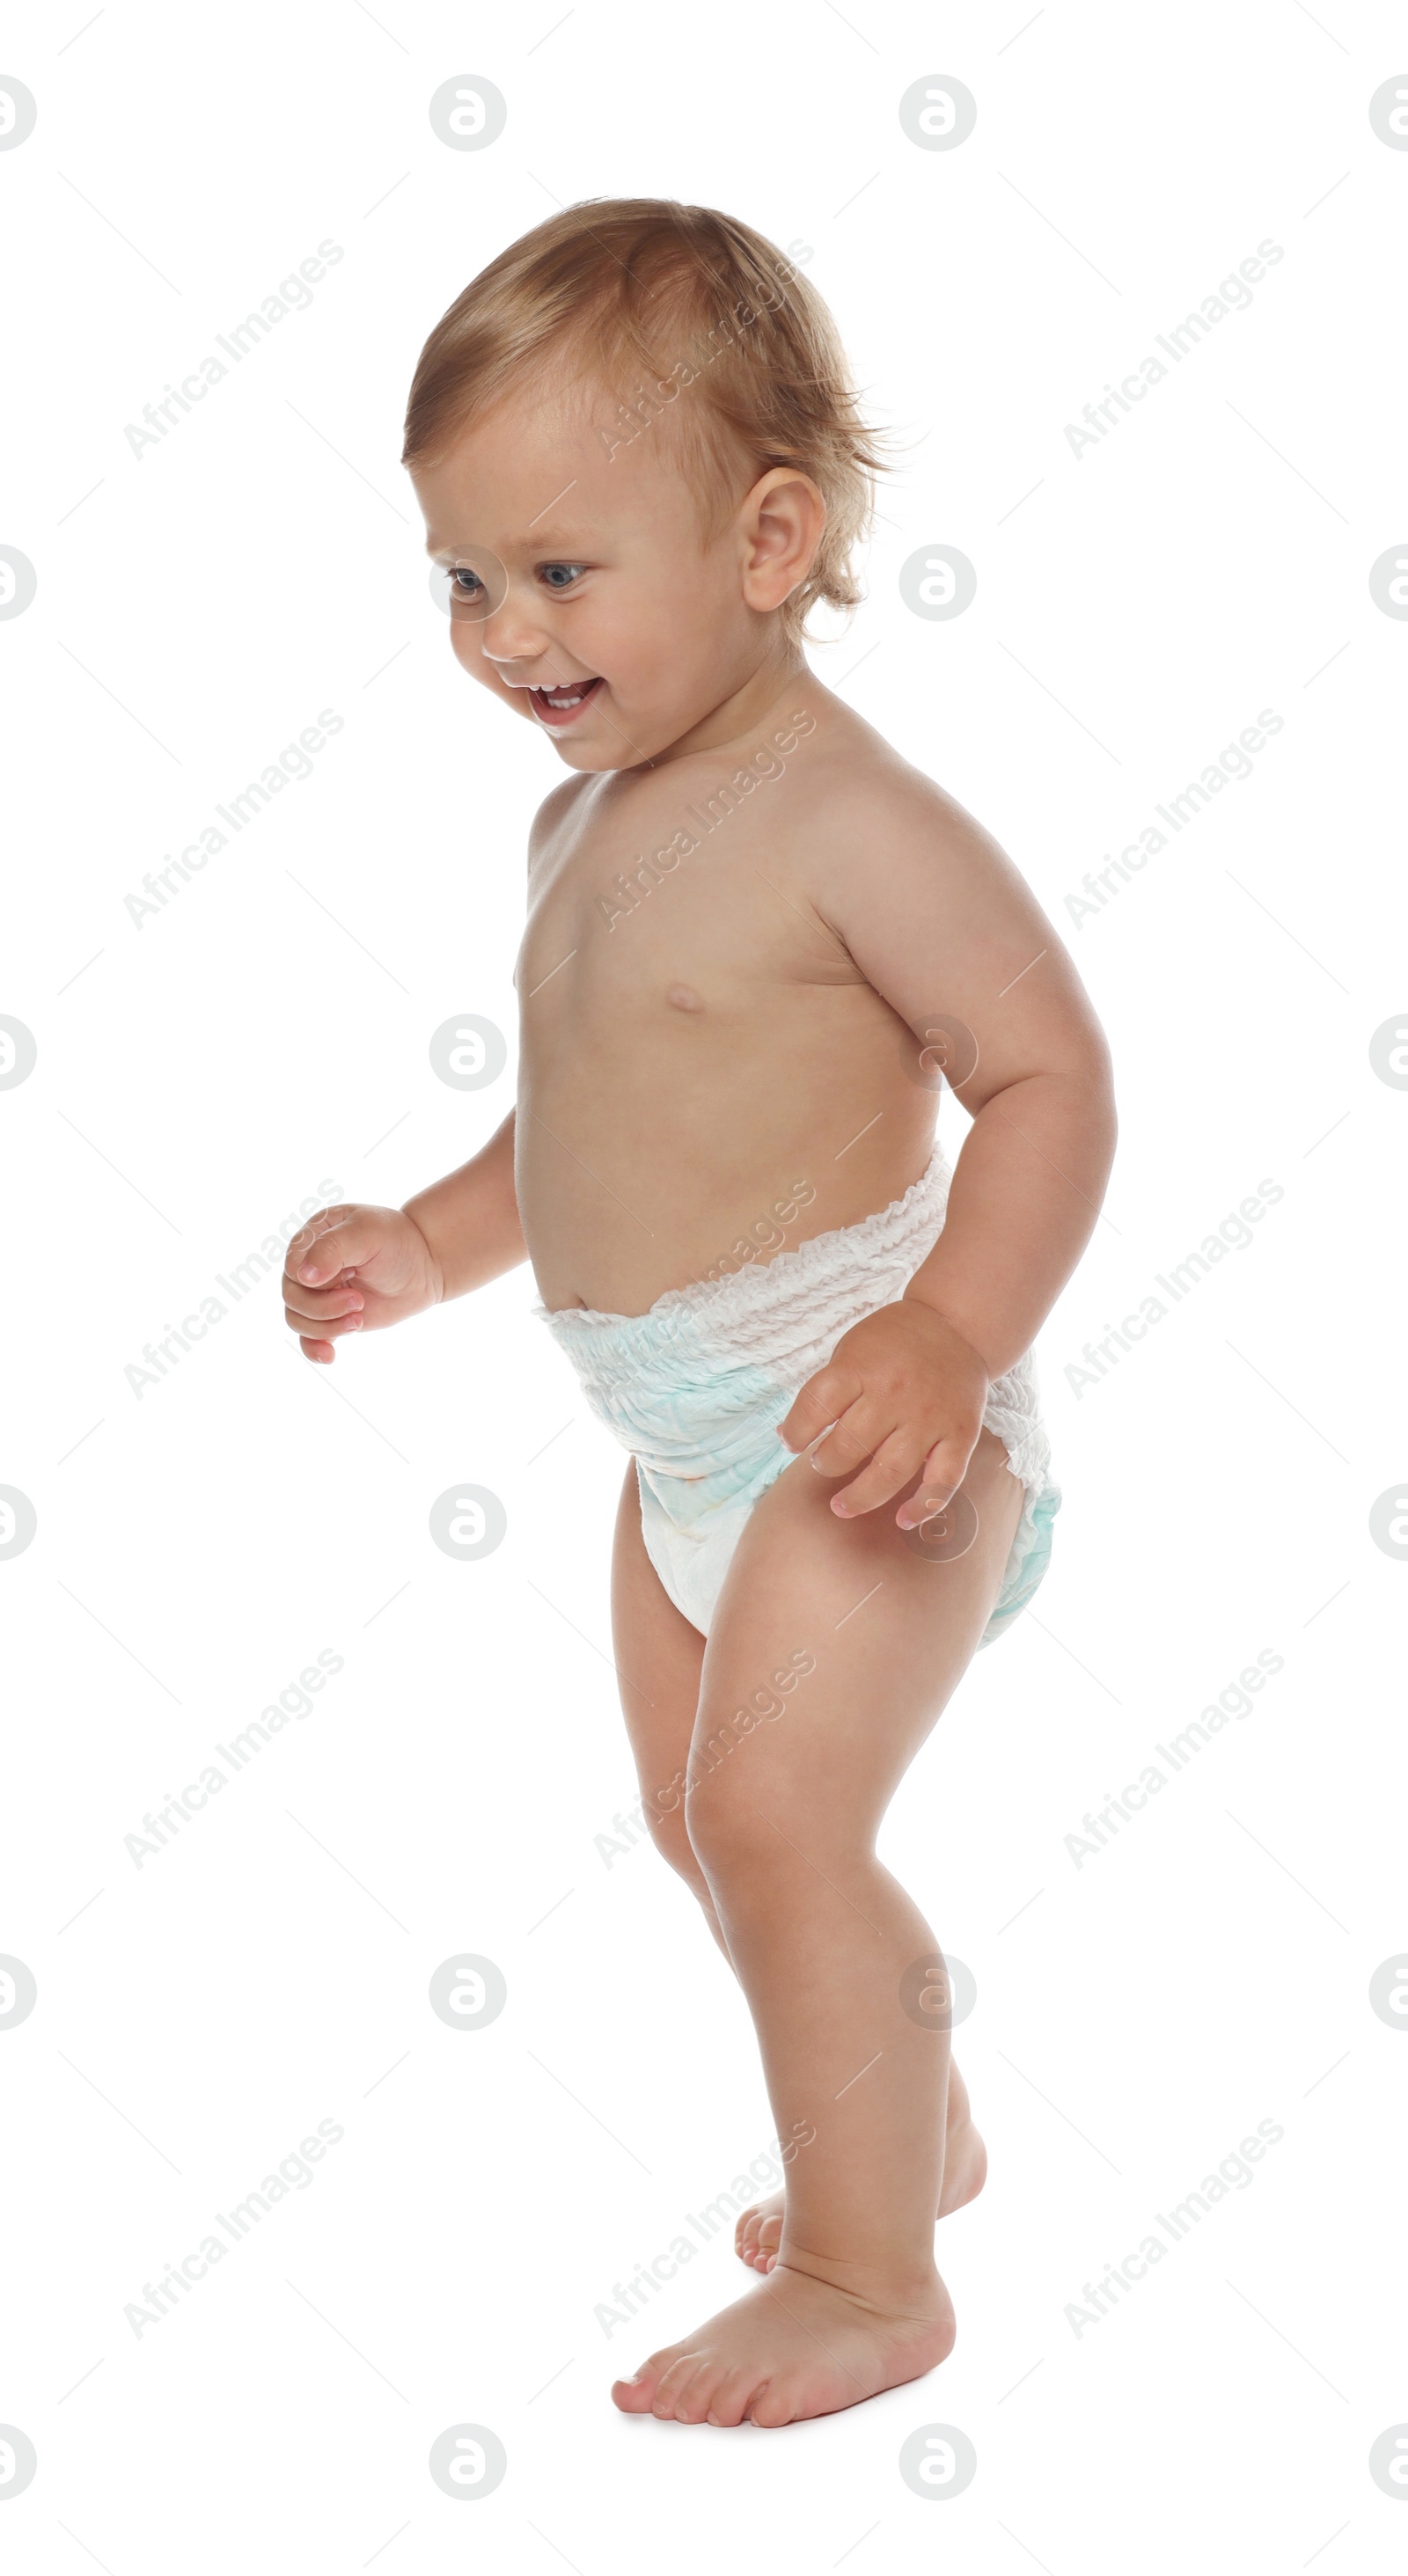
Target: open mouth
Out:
[558,707]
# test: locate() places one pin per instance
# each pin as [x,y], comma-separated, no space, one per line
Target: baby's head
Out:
[641,461]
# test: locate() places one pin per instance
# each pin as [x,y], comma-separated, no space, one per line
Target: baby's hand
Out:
[904,1391]
[352,1269]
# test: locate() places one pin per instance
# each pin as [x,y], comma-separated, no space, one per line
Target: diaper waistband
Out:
[769,1315]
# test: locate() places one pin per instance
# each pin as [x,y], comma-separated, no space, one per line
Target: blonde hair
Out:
[714,313]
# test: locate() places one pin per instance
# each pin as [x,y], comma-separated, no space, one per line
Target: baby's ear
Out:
[782,523]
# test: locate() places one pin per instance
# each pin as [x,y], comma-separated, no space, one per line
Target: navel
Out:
[683,997]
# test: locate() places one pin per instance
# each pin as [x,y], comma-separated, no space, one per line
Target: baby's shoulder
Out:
[860,793]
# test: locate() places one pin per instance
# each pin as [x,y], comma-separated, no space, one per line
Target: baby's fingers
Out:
[304,1247]
[314,1329]
[944,1471]
[337,1240]
[821,1402]
[862,1431]
[319,1305]
[892,1465]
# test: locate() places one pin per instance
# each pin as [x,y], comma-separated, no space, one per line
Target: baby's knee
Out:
[732,1840]
[669,1831]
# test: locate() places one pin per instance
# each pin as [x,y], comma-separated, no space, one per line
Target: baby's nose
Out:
[510,636]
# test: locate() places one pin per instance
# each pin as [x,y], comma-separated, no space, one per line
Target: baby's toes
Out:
[745,2235]
[759,2233]
[635,2395]
[694,2397]
[672,2383]
[773,2403]
[729,2401]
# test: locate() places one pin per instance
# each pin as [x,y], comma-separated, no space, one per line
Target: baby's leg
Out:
[758,2234]
[783,1818]
[659,1656]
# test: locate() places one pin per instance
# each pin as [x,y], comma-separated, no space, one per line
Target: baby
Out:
[759,946]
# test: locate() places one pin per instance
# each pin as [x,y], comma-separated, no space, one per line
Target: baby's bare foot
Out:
[791,2348]
[758,2234]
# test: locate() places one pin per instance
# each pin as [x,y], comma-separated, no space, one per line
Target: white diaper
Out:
[695,1388]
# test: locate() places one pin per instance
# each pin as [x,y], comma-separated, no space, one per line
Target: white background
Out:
[200,1540]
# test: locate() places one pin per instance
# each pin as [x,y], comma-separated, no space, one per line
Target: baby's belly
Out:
[648,1169]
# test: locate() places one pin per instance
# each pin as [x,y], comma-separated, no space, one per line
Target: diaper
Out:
[696,1387]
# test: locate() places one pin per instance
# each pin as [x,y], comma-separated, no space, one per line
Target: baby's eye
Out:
[560,576]
[465,584]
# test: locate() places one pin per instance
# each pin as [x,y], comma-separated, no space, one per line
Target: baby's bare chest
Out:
[695,1035]
[671,910]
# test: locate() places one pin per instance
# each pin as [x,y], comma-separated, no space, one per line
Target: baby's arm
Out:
[943,926]
[353,1269]
[470,1219]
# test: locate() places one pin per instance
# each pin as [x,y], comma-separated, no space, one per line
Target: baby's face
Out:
[582,590]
